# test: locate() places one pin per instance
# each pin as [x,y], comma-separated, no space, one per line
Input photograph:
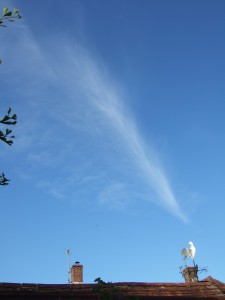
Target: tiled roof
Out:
[216,282]
[207,289]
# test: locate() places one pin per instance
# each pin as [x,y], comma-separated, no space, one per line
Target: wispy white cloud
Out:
[114,197]
[72,87]
[104,97]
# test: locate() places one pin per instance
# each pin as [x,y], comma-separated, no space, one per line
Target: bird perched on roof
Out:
[189,252]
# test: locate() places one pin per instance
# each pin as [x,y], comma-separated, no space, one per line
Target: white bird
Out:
[189,252]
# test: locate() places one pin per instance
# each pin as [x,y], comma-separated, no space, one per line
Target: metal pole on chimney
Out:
[69,269]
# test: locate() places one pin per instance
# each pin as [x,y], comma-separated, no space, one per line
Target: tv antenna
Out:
[69,269]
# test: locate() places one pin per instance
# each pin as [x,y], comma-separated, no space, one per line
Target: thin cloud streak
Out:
[80,74]
[104,97]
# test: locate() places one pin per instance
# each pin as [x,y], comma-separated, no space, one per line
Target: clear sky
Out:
[119,153]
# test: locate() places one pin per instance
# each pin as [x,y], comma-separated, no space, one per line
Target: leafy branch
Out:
[9,16]
[6,137]
[8,120]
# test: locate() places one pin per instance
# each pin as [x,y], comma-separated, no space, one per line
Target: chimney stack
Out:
[77,273]
[190,274]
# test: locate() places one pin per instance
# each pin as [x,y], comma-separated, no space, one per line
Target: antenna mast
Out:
[69,269]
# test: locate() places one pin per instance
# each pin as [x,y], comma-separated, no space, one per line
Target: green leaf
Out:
[3,179]
[16,11]
[9,14]
[5,119]
[8,131]
[5,10]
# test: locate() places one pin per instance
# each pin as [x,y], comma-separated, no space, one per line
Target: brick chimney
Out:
[190,274]
[77,273]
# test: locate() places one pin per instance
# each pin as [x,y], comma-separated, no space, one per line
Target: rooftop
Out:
[209,288]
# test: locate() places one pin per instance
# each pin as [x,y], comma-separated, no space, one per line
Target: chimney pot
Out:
[77,273]
[190,274]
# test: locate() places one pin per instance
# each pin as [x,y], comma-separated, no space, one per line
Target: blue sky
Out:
[119,149]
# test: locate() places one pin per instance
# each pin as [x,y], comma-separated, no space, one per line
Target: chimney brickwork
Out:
[77,273]
[190,274]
